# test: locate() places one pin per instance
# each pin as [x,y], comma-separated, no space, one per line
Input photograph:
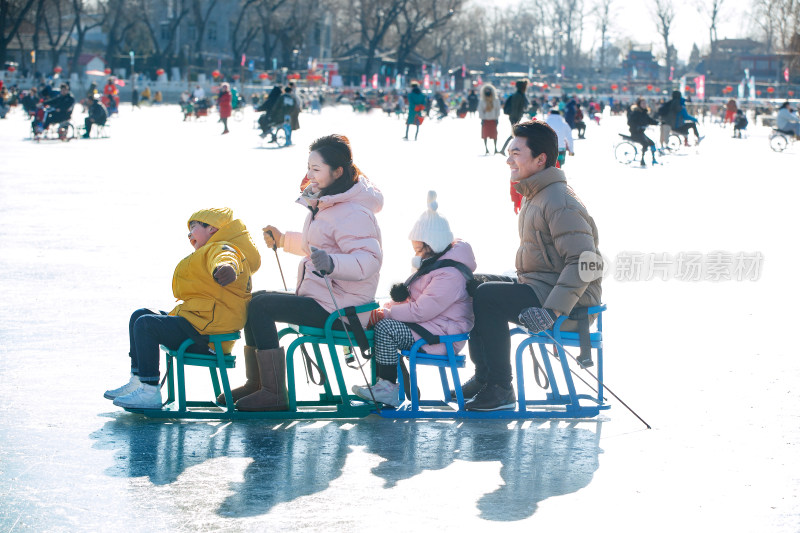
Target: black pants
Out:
[267,308]
[684,128]
[87,123]
[639,137]
[496,304]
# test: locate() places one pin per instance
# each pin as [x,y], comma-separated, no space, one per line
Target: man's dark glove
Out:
[224,274]
[537,319]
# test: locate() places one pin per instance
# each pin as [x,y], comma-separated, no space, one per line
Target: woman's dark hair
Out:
[335,151]
[539,138]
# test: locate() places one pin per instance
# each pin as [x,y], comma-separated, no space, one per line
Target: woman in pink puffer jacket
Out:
[341,238]
[435,298]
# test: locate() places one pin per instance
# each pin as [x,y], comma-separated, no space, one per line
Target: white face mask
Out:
[416,262]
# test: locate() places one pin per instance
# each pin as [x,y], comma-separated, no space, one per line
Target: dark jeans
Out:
[496,304]
[147,329]
[267,308]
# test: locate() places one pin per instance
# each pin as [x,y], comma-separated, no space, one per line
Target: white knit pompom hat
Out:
[431,228]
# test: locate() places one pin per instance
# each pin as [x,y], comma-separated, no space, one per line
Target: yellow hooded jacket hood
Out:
[208,306]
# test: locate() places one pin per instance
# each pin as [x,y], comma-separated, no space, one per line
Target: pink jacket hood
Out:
[344,225]
[438,301]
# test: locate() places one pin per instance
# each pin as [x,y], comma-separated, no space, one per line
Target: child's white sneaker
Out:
[145,397]
[385,392]
[128,388]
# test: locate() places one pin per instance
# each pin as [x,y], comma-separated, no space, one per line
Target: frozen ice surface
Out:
[91,230]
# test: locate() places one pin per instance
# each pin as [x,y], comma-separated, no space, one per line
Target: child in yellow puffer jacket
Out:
[214,284]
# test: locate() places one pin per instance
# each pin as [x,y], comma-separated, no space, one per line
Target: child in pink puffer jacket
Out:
[434,297]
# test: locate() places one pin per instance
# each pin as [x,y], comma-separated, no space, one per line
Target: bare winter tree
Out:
[87,17]
[244,29]
[763,18]
[571,12]
[417,20]
[462,41]
[602,11]
[163,55]
[375,18]
[12,13]
[664,14]
[270,24]
[201,12]
[58,24]
[711,10]
[119,21]
[294,19]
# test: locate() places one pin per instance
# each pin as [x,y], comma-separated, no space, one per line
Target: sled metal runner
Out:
[561,401]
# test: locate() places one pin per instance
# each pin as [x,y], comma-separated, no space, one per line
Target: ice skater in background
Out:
[215,286]
[489,112]
[434,298]
[416,109]
[225,106]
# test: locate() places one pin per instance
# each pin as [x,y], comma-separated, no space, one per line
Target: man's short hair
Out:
[539,138]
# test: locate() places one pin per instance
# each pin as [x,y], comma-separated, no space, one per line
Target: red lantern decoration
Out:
[614,86]
[556,86]
[107,71]
[758,92]
[579,86]
[57,69]
[215,73]
[728,89]
[12,68]
[594,87]
[649,87]
[545,86]
[159,72]
[791,93]
[263,76]
[770,90]
[625,89]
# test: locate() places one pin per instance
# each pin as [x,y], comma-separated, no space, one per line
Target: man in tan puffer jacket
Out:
[555,230]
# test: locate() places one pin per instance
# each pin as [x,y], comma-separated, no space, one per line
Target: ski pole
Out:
[598,380]
[574,374]
[324,275]
[278,259]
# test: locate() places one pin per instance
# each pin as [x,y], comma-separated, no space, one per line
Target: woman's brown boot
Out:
[272,396]
[253,382]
